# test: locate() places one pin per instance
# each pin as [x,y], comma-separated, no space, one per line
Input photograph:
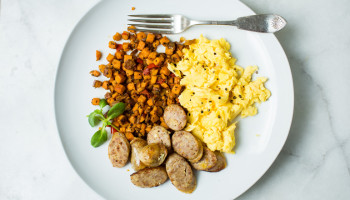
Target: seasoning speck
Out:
[225,89]
[240,96]
[234,97]
[201,111]
[219,98]
[214,53]
[219,116]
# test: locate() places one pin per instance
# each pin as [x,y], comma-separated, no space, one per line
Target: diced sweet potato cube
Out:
[125,35]
[131,86]
[135,108]
[179,53]
[107,72]
[119,78]
[145,52]
[129,134]
[129,72]
[150,102]
[130,28]
[169,51]
[119,88]
[155,44]
[141,45]
[146,77]
[154,72]
[117,36]
[141,99]
[137,75]
[98,55]
[153,79]
[105,85]
[95,101]
[110,101]
[164,40]
[127,57]
[141,35]
[132,119]
[164,85]
[164,125]
[154,118]
[119,55]
[110,58]
[176,89]
[95,73]
[158,61]
[164,70]
[126,46]
[175,58]
[148,128]
[152,55]
[150,37]
[116,63]
[112,45]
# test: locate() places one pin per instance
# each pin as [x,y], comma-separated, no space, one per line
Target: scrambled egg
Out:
[217,90]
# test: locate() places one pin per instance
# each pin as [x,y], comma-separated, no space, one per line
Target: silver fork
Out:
[170,24]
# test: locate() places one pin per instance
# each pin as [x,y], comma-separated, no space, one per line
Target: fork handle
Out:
[197,22]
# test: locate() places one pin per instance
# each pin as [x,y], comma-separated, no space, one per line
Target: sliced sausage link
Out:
[119,150]
[149,177]
[175,117]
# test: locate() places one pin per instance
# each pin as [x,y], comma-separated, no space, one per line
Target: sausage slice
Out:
[175,117]
[153,155]
[207,161]
[159,134]
[149,177]
[187,145]
[220,164]
[180,173]
[136,146]
[119,150]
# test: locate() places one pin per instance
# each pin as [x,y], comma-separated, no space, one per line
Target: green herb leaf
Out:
[103,103]
[99,137]
[94,119]
[116,110]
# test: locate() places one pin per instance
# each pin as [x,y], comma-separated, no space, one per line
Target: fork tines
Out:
[153,23]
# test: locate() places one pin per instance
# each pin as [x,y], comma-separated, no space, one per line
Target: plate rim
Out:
[280,144]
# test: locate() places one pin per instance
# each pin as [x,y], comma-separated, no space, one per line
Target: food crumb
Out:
[128,170]
[133,8]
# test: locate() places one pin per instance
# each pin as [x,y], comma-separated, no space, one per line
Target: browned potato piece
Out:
[175,117]
[136,146]
[149,177]
[159,134]
[153,155]
[220,164]
[207,161]
[187,145]
[180,173]
[119,150]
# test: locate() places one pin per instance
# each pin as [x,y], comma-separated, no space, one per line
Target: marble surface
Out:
[314,163]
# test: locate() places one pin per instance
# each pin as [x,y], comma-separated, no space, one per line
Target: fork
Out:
[171,24]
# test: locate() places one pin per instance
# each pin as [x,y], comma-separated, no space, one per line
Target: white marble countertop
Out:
[314,163]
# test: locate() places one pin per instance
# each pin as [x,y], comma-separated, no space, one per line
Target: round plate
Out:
[259,138]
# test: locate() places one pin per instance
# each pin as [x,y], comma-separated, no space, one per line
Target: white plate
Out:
[259,138]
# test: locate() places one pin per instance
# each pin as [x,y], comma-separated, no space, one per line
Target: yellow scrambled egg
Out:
[217,90]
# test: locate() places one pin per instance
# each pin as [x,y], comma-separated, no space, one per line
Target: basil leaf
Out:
[116,110]
[99,138]
[103,103]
